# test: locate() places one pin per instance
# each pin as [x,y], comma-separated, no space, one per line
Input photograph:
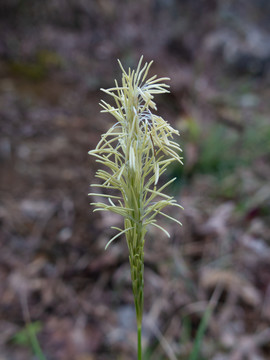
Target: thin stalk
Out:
[35,344]
[139,345]
[31,332]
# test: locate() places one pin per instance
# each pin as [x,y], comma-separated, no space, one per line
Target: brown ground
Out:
[53,267]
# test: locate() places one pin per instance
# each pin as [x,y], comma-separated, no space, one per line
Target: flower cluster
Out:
[134,153]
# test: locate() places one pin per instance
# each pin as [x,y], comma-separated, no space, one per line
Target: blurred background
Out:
[56,280]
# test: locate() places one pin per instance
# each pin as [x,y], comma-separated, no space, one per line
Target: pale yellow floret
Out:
[135,152]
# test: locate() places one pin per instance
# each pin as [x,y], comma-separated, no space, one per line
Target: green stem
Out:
[35,344]
[139,331]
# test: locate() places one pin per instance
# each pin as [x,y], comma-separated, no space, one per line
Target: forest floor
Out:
[57,281]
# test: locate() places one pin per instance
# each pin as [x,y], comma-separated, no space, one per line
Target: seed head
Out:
[135,152]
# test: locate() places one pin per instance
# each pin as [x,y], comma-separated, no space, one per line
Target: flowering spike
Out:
[136,152]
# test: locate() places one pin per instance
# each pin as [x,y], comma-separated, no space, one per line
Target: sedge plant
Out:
[133,154]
